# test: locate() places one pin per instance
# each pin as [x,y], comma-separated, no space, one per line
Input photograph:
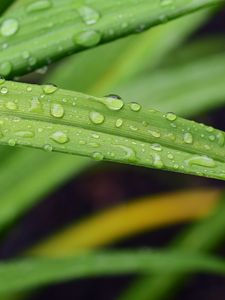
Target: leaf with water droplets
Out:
[108,128]
[81,26]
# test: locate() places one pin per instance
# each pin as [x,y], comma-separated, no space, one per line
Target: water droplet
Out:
[112,102]
[57,110]
[220,138]
[12,142]
[157,162]
[48,148]
[60,137]
[96,117]
[212,138]
[49,89]
[89,15]
[156,134]
[35,105]
[135,106]
[119,123]
[4,90]
[170,156]
[9,27]
[209,129]
[188,138]
[156,147]
[203,161]
[25,134]
[5,68]
[170,116]
[88,38]
[130,154]
[98,156]
[2,80]
[38,6]
[95,136]
[11,105]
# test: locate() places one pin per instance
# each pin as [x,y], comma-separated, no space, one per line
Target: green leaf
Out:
[35,34]
[4,4]
[106,128]
[28,273]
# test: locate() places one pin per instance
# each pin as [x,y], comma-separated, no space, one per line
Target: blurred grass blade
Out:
[34,34]
[4,4]
[200,83]
[103,78]
[28,273]
[106,128]
[201,237]
[124,221]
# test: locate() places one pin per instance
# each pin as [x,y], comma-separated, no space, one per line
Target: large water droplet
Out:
[203,161]
[89,15]
[112,102]
[60,137]
[38,5]
[57,110]
[9,27]
[96,117]
[88,38]
[188,138]
[154,133]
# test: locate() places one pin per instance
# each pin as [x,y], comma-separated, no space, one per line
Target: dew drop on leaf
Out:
[96,117]
[48,148]
[188,138]
[38,6]
[59,137]
[98,156]
[57,110]
[113,102]
[11,105]
[157,162]
[9,27]
[88,38]
[119,123]
[135,106]
[4,90]
[171,116]
[49,89]
[203,161]
[89,15]
[25,134]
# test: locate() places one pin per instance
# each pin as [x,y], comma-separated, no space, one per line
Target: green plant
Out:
[36,33]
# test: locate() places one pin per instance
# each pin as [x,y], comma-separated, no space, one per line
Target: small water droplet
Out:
[49,89]
[88,38]
[48,148]
[4,90]
[38,6]
[12,142]
[25,134]
[98,156]
[96,117]
[154,133]
[35,105]
[11,105]
[59,137]
[119,123]
[89,15]
[9,27]
[57,110]
[130,154]
[203,161]
[188,138]
[135,106]
[156,147]
[171,116]
[157,162]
